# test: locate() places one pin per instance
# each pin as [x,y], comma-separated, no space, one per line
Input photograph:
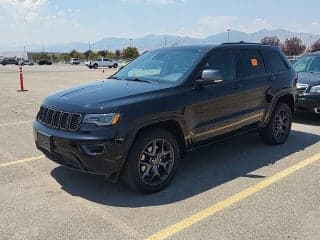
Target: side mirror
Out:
[210,76]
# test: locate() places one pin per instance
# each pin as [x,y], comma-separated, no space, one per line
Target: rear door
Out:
[252,85]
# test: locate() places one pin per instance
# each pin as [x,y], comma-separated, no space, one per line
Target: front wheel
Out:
[115,65]
[279,126]
[152,161]
[95,66]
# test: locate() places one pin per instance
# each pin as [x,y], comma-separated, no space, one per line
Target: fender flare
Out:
[138,126]
[274,101]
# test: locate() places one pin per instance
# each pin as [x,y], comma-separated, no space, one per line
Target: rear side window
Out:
[250,63]
[274,61]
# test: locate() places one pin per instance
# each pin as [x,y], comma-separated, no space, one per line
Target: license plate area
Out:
[45,141]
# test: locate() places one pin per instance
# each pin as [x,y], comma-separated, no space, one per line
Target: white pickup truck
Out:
[102,62]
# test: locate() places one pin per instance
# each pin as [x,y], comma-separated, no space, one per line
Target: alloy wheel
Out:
[156,162]
[282,124]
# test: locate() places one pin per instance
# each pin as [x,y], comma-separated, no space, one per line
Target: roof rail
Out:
[241,42]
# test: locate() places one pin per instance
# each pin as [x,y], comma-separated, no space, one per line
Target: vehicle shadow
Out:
[306,118]
[202,170]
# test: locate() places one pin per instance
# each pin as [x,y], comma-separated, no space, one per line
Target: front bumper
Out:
[82,152]
[308,103]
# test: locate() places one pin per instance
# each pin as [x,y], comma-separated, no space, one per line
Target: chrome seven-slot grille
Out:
[59,119]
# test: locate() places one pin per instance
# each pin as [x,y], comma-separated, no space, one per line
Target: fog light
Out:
[94,149]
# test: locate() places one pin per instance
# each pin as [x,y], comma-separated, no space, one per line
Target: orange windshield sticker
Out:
[254,62]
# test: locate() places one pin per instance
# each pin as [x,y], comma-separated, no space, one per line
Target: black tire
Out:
[115,65]
[95,66]
[145,173]
[279,126]
[90,67]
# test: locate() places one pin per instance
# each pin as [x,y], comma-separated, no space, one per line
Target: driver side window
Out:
[224,61]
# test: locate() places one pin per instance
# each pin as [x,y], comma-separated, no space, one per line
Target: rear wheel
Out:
[115,65]
[152,161]
[279,126]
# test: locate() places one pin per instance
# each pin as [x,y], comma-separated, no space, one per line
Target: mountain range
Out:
[156,41]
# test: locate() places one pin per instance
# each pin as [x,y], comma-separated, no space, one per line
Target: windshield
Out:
[163,65]
[308,64]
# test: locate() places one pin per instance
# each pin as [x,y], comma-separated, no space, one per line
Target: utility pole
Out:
[130,42]
[228,31]
[165,41]
[24,52]
[89,46]
[310,39]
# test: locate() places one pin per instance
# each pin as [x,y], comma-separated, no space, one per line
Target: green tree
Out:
[111,55]
[103,53]
[130,53]
[90,55]
[117,53]
[76,54]
[54,58]
[65,57]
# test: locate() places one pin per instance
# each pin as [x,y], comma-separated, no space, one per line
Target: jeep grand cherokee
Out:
[140,122]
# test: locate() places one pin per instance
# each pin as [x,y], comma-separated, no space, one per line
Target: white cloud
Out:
[22,11]
[35,22]
[23,4]
[255,25]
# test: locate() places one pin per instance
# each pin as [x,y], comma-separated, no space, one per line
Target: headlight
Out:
[315,89]
[110,119]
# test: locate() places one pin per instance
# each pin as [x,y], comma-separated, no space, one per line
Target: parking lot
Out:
[237,189]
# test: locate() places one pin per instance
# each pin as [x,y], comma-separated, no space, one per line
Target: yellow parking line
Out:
[215,208]
[2,165]
[15,123]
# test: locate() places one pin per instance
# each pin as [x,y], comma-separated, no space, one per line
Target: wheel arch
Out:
[284,97]
[171,125]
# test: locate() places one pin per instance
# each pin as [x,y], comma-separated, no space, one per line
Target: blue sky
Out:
[57,21]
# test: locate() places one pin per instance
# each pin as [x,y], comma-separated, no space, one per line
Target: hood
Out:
[102,95]
[309,78]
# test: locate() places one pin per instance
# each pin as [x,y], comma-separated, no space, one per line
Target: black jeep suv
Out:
[139,123]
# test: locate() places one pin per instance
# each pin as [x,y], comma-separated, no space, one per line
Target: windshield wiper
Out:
[139,80]
[115,77]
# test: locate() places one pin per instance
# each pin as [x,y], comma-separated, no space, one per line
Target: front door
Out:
[214,105]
